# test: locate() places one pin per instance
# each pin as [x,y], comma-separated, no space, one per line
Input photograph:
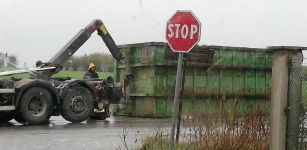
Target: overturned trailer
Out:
[216,77]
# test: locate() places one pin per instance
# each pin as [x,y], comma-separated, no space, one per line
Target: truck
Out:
[33,101]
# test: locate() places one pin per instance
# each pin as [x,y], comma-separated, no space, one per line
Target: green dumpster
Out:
[234,76]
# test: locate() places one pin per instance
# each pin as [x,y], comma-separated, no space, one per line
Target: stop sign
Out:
[183,31]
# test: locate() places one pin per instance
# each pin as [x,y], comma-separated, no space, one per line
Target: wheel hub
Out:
[37,105]
[77,104]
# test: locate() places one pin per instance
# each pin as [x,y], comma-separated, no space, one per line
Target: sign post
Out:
[182,34]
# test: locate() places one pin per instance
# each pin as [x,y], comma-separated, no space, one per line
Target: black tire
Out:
[77,104]
[18,117]
[36,106]
[5,117]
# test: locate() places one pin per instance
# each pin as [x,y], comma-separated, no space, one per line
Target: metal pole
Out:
[181,99]
[176,100]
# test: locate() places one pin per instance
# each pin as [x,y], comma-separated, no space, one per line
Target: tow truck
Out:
[33,101]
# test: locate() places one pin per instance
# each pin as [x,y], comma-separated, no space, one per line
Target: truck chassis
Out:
[34,101]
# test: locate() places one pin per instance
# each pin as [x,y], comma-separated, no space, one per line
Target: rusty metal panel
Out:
[260,82]
[226,82]
[200,81]
[213,82]
[238,82]
[189,81]
[250,83]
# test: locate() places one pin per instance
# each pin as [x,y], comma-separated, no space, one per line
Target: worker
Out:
[39,64]
[91,72]
[34,75]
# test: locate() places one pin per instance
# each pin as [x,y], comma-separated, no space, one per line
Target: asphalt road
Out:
[89,135]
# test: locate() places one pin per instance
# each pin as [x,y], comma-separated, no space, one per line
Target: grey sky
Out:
[37,29]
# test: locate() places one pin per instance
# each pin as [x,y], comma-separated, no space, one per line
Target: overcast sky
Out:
[37,29]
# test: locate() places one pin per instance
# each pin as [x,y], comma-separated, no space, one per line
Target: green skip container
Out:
[234,76]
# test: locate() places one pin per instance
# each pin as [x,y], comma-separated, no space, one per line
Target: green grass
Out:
[80,74]
[72,74]
[18,76]
[6,69]
[155,143]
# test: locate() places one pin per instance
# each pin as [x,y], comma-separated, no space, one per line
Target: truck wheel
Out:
[36,106]
[77,104]
[18,117]
[5,117]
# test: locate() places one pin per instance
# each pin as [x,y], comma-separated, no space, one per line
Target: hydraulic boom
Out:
[77,41]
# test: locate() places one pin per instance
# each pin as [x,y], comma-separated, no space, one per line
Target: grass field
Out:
[79,74]
[72,74]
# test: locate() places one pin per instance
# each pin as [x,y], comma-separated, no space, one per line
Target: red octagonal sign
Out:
[183,31]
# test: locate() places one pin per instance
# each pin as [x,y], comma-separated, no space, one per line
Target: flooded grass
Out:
[224,130]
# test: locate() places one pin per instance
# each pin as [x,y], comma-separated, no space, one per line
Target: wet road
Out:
[89,135]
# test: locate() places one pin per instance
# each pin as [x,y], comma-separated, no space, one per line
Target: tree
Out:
[104,62]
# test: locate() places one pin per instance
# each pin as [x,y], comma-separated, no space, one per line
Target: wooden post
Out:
[279,94]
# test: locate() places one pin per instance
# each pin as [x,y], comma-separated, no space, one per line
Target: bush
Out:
[224,130]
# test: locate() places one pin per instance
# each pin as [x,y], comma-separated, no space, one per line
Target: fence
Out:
[302,145]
